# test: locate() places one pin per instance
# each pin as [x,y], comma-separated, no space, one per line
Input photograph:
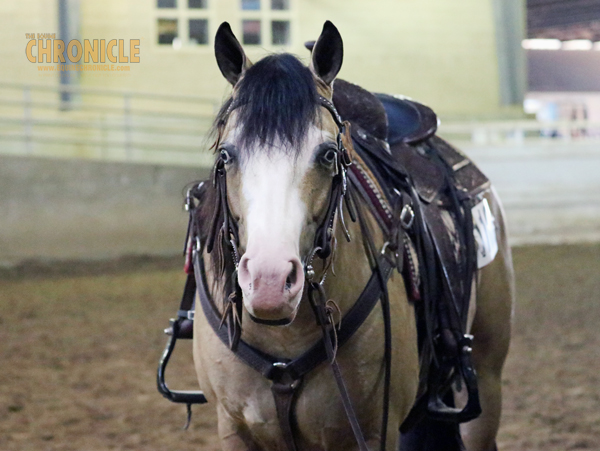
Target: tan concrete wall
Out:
[440,52]
[84,210]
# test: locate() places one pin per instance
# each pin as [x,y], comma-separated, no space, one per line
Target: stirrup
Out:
[179,396]
[437,409]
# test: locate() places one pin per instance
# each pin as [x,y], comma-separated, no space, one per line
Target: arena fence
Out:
[66,121]
[521,133]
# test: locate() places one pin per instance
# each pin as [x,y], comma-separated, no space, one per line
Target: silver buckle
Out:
[407,216]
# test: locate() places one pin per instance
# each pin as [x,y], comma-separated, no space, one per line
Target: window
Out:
[167,31]
[251,32]
[266,22]
[198,31]
[280,32]
[250,5]
[167,3]
[281,5]
[197,4]
[183,23]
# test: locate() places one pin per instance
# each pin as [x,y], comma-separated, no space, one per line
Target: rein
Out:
[286,375]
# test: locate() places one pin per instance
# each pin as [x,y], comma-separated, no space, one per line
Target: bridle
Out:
[324,234]
[286,375]
[223,224]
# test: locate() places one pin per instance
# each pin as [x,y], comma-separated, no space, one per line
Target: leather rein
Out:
[286,375]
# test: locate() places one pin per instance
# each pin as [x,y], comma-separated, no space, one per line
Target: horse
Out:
[283,243]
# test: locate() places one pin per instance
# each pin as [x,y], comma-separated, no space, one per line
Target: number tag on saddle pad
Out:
[484,229]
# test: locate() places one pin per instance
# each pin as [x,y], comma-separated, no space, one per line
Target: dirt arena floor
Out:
[79,346]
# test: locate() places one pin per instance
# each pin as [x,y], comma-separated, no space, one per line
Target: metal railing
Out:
[104,124]
[145,127]
[521,132]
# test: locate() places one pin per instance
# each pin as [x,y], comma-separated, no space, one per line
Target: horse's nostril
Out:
[291,278]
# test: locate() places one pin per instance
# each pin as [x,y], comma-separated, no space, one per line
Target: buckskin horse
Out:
[352,269]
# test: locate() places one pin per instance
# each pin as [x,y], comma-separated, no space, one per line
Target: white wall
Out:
[551,191]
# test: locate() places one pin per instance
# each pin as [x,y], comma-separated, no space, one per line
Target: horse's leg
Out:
[491,330]
[231,434]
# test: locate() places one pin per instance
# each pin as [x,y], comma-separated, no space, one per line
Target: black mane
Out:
[276,101]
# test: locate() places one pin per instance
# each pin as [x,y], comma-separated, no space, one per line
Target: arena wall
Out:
[53,209]
[443,53]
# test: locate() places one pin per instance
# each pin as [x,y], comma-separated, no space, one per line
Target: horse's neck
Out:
[346,279]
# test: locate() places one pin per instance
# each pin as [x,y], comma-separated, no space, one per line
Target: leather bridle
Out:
[286,375]
[223,224]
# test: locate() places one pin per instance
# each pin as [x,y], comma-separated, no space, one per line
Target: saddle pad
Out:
[484,231]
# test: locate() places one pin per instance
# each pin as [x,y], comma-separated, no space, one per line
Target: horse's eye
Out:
[226,156]
[328,157]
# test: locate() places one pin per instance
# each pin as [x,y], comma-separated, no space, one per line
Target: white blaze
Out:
[270,272]
[271,187]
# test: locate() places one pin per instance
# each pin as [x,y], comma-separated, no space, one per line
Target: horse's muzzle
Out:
[271,286]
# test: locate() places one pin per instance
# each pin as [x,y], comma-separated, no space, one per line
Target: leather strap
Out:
[273,367]
[286,375]
[318,300]
[284,395]
[385,308]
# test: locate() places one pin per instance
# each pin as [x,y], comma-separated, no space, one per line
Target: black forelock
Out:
[276,101]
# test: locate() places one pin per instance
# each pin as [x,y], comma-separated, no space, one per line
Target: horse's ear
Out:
[327,54]
[230,55]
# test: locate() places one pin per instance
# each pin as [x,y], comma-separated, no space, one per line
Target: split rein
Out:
[286,376]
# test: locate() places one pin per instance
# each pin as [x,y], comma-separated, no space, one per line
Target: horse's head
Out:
[277,144]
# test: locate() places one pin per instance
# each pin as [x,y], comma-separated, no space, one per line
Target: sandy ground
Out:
[79,345]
